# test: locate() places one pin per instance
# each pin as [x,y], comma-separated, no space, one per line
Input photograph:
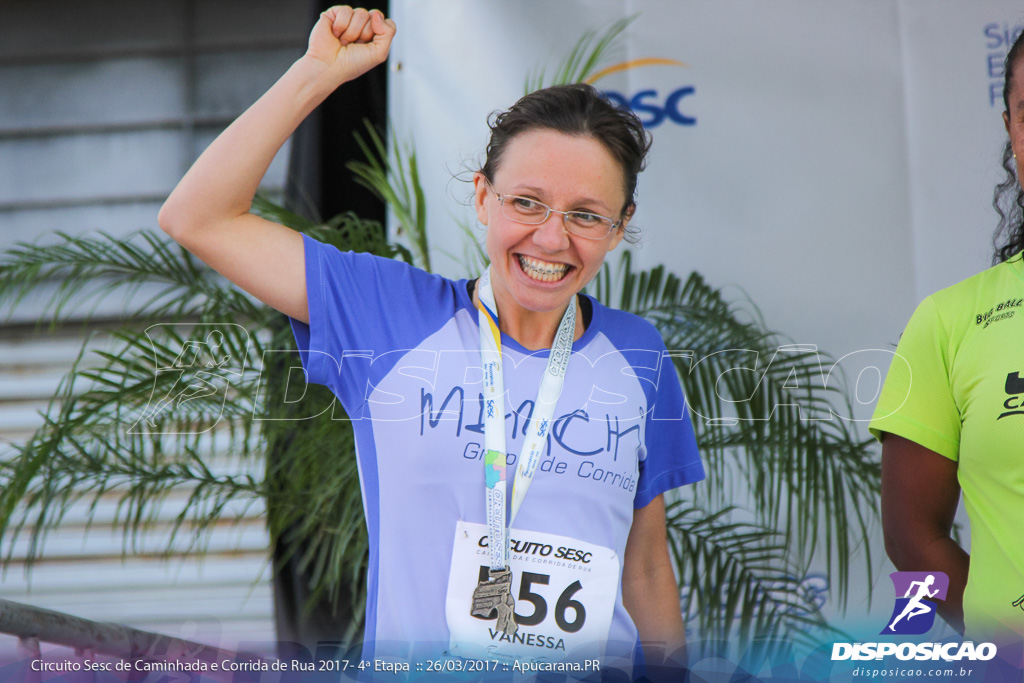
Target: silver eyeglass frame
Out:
[565,214]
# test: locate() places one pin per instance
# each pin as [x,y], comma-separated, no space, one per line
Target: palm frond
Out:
[765,418]
[474,254]
[347,231]
[90,269]
[582,60]
[264,206]
[135,427]
[739,580]
[313,494]
[393,176]
[177,408]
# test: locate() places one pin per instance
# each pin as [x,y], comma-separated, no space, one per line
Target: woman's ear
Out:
[481,188]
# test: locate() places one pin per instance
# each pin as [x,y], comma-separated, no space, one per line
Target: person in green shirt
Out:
[951,419]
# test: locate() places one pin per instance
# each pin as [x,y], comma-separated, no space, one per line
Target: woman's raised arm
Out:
[208,212]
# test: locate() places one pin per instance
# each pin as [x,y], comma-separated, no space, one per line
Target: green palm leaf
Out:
[810,479]
[89,269]
[581,62]
[101,436]
[393,176]
[739,577]
[143,417]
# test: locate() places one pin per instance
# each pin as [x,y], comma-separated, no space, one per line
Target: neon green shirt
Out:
[956,386]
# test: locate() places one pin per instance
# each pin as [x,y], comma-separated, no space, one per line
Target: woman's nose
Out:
[551,235]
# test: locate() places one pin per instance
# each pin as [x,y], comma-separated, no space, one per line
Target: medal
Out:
[495,593]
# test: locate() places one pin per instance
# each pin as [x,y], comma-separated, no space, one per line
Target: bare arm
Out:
[208,212]
[920,493]
[649,590]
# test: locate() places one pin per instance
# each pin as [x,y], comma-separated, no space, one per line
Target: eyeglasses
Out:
[528,211]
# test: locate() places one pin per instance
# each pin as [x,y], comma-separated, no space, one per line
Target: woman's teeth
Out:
[542,270]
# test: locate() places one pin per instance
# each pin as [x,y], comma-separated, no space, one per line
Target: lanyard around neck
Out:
[494,416]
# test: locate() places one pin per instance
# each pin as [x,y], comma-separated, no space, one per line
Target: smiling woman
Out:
[537,267]
[447,572]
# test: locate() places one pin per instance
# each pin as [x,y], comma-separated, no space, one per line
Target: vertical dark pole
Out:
[319,186]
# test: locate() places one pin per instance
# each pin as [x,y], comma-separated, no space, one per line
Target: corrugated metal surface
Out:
[222,597]
[103,106]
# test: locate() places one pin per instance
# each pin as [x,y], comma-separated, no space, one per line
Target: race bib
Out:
[564,591]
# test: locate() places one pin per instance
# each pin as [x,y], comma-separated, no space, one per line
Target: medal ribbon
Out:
[495,463]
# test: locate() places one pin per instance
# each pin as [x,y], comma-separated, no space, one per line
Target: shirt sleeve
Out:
[917,400]
[363,310]
[671,458]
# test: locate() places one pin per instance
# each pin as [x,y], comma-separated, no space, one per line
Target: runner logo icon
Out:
[916,592]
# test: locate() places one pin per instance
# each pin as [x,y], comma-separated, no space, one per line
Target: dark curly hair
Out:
[577,109]
[1008,198]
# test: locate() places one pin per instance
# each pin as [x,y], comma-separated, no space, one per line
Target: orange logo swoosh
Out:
[633,64]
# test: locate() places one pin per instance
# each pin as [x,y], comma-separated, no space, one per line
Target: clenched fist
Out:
[350,42]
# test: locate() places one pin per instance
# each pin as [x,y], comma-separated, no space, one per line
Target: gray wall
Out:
[103,106]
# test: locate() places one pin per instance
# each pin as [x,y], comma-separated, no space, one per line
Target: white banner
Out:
[835,160]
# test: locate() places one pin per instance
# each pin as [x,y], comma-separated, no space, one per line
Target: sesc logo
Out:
[914,613]
[652,106]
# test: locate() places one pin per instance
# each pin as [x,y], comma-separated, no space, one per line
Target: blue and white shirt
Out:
[400,349]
